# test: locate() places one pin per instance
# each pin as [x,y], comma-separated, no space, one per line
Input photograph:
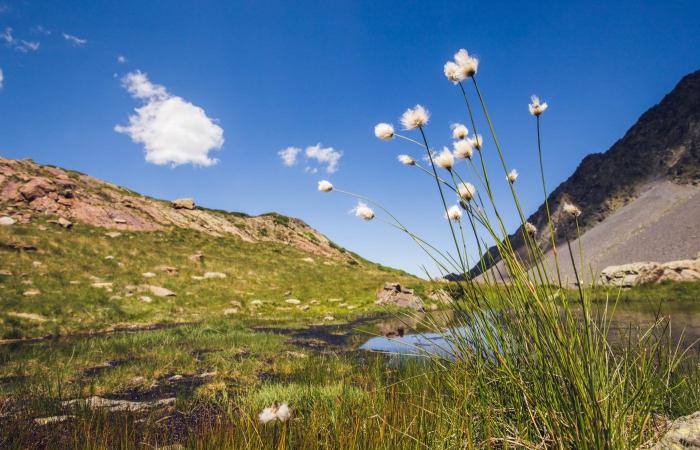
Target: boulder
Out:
[393,294]
[159,291]
[7,220]
[36,188]
[684,433]
[65,223]
[628,275]
[183,203]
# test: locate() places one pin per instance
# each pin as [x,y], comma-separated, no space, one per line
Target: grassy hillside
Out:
[57,281]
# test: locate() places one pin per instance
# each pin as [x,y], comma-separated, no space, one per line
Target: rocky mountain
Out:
[29,190]
[642,195]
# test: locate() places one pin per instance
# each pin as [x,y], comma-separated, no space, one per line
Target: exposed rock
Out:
[6,220]
[183,203]
[28,316]
[117,405]
[31,292]
[214,275]
[102,284]
[36,188]
[628,275]
[392,294]
[684,434]
[229,311]
[328,319]
[29,189]
[113,234]
[293,301]
[148,274]
[170,270]
[440,296]
[197,257]
[236,303]
[159,291]
[145,299]
[65,223]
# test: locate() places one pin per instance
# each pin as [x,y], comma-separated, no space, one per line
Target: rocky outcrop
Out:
[684,434]
[30,191]
[184,203]
[393,294]
[628,275]
[663,145]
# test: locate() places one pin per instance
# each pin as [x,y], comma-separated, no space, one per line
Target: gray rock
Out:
[159,291]
[6,220]
[392,294]
[684,434]
[634,274]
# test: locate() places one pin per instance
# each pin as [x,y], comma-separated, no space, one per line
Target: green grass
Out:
[67,263]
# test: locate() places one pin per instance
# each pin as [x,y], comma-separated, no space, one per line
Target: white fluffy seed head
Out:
[468,65]
[512,176]
[454,213]
[536,106]
[453,72]
[466,191]
[384,131]
[445,159]
[477,142]
[267,415]
[459,131]
[363,211]
[283,412]
[275,412]
[325,186]
[406,160]
[571,209]
[463,149]
[415,117]
[530,228]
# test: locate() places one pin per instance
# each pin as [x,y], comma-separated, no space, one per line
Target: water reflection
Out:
[415,334]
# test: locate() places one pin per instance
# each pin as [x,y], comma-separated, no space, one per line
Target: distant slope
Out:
[660,150]
[28,190]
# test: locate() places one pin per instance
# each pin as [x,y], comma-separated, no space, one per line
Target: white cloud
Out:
[171,129]
[327,156]
[121,59]
[289,155]
[18,44]
[75,40]
[2,78]
[41,30]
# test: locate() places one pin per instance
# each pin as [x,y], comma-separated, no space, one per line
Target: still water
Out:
[410,336]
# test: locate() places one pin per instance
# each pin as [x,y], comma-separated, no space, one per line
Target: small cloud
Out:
[18,44]
[7,36]
[172,130]
[26,46]
[121,59]
[327,156]
[289,155]
[4,7]
[41,30]
[310,170]
[2,78]
[74,40]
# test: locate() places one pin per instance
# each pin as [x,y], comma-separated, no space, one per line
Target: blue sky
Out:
[257,77]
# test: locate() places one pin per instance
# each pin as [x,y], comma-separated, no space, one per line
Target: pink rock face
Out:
[36,187]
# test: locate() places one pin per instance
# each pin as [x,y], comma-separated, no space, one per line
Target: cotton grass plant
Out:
[536,368]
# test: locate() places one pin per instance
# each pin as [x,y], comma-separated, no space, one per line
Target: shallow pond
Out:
[410,335]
